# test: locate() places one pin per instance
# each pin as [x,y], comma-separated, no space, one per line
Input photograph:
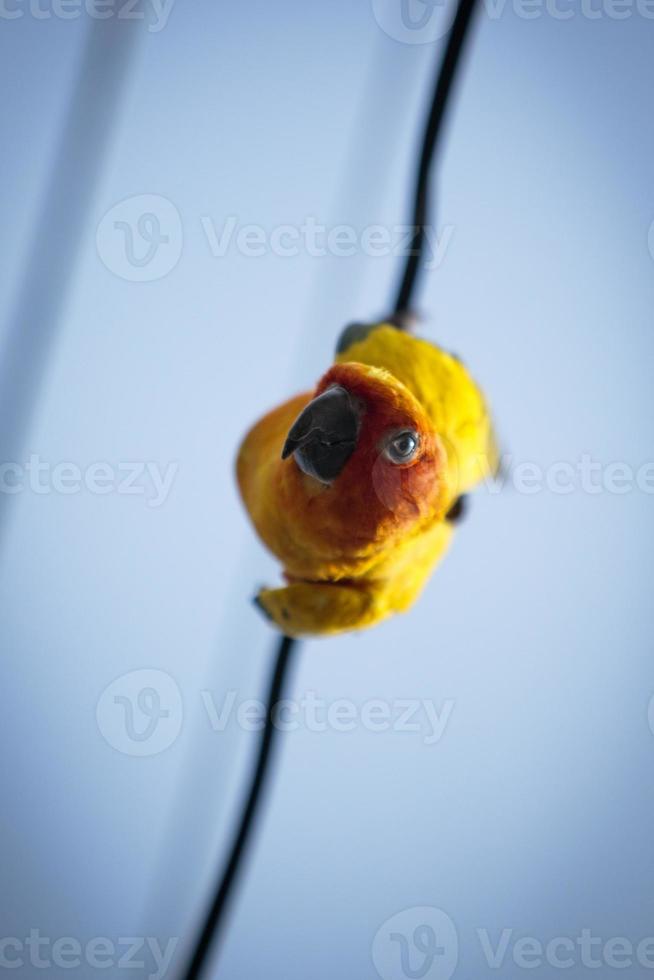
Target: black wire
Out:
[216,915]
[442,89]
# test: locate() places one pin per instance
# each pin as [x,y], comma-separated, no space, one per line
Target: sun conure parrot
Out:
[355,485]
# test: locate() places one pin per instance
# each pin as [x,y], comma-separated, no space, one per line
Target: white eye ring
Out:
[402,446]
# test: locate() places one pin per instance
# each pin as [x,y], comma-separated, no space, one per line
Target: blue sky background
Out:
[534,810]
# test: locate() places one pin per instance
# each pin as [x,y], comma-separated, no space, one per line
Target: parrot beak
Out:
[324,435]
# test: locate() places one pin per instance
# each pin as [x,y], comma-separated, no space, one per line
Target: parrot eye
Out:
[403,446]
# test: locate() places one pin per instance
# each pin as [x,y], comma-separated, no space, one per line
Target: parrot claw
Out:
[457,511]
[355,333]
[256,601]
[406,320]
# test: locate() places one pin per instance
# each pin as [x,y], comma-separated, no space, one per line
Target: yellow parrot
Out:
[355,486]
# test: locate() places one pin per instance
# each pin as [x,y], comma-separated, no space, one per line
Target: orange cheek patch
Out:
[411,491]
[382,493]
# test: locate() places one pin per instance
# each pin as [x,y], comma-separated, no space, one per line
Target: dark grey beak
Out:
[324,435]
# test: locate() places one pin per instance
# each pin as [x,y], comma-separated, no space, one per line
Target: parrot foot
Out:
[256,601]
[320,608]
[457,511]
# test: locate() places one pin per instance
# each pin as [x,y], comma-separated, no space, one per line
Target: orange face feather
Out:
[372,492]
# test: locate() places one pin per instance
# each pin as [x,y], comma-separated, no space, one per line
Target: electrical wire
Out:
[287,647]
[216,915]
[442,89]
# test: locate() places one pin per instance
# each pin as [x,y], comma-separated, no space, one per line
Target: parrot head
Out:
[367,443]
